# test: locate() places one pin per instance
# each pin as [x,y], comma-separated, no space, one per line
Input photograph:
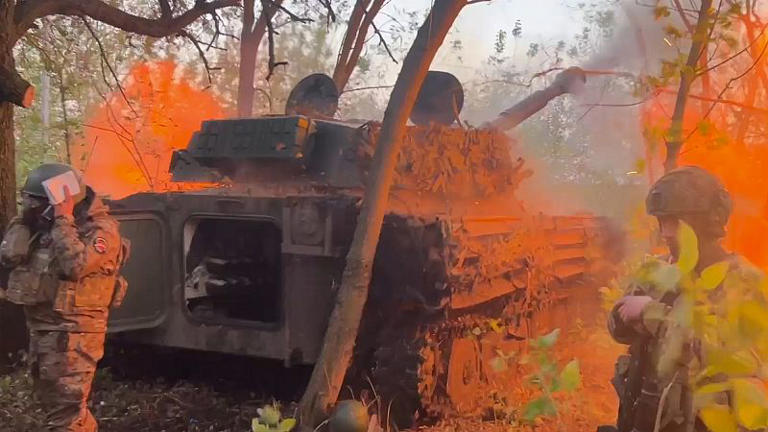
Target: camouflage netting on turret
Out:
[467,178]
[455,162]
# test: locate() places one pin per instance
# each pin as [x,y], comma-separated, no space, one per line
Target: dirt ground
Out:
[149,390]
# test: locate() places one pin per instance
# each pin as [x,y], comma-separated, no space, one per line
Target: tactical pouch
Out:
[23,287]
[32,283]
[94,292]
[65,296]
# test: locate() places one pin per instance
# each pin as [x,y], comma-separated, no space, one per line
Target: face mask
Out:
[35,210]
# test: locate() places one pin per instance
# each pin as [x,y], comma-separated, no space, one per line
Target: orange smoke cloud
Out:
[129,140]
[742,166]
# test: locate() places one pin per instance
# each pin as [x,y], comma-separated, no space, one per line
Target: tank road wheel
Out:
[465,381]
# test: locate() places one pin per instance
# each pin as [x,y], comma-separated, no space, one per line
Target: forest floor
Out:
[171,391]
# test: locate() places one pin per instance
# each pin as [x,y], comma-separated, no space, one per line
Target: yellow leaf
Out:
[496,325]
[750,403]
[713,388]
[718,418]
[712,276]
[753,320]
[689,248]
[738,363]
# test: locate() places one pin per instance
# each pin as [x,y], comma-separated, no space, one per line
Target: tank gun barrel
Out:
[567,81]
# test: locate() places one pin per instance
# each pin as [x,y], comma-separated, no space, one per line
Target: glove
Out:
[631,308]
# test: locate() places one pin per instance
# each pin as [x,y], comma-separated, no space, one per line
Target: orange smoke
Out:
[129,139]
[743,170]
[719,144]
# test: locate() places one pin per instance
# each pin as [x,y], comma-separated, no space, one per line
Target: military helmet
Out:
[690,190]
[34,184]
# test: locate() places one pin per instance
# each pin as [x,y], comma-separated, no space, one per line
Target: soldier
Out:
[641,319]
[63,262]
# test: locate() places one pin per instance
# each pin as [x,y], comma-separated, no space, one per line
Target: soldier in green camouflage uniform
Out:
[64,271]
[642,318]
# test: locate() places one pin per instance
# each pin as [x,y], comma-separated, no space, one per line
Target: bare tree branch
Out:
[687,75]
[355,39]
[367,88]
[329,8]
[103,54]
[28,11]
[200,51]
[353,27]
[383,41]
[271,43]
[727,87]
[291,15]
[683,16]
[736,54]
[165,9]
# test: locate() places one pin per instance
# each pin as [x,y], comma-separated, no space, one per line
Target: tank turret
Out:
[308,144]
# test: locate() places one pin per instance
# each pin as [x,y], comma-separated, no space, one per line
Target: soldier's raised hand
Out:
[67,206]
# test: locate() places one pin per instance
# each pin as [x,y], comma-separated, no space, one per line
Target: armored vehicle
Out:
[250,262]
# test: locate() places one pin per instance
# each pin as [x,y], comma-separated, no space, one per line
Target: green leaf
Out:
[718,418]
[548,340]
[689,248]
[498,364]
[570,376]
[539,407]
[712,276]
[269,415]
[750,403]
[555,385]
[666,277]
[705,127]
[256,426]
[286,425]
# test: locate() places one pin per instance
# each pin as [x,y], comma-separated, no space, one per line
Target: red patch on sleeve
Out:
[100,245]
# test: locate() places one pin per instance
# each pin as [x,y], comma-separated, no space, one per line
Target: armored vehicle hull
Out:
[251,266]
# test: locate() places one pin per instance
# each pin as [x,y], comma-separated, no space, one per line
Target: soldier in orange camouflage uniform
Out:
[63,269]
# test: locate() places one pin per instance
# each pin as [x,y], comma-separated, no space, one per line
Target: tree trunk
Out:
[353,28]
[249,47]
[687,75]
[14,88]
[336,354]
[7,144]
[13,332]
[754,82]
[250,40]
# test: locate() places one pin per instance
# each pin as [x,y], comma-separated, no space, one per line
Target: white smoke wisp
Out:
[605,132]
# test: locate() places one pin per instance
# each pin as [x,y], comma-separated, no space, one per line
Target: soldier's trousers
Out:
[63,366]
